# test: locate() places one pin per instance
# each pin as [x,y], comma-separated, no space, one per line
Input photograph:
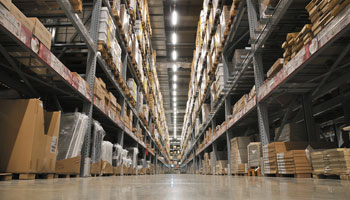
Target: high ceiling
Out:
[161,15]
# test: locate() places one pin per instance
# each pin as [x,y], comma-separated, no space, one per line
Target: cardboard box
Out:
[95,168]
[6,3]
[41,32]
[21,17]
[68,166]
[276,67]
[28,137]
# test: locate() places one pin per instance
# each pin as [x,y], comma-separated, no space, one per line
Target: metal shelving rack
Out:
[59,84]
[302,80]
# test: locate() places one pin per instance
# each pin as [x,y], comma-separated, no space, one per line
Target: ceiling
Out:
[162,29]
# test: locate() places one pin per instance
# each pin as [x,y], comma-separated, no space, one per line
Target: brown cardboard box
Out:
[6,3]
[96,167]
[26,146]
[68,166]
[41,32]
[22,18]
[106,167]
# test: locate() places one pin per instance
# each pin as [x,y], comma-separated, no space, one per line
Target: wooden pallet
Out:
[254,172]
[25,176]
[5,176]
[66,175]
[294,175]
[240,174]
[331,176]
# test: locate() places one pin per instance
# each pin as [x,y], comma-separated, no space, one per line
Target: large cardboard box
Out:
[41,32]
[22,18]
[28,137]
[68,166]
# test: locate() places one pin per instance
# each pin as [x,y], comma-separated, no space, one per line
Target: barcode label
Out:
[53,144]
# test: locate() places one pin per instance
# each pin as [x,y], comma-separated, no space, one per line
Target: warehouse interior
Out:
[174,99]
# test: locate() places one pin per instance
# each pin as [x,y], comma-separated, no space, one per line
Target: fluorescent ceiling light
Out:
[174,18]
[174,99]
[174,67]
[174,38]
[174,55]
[174,86]
[174,93]
[175,104]
[174,78]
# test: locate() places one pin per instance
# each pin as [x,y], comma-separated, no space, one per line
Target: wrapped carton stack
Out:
[254,154]
[239,154]
[293,162]
[331,161]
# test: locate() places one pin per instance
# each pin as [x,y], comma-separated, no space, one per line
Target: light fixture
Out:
[174,104]
[174,99]
[174,68]
[174,93]
[174,54]
[174,86]
[175,78]
[174,38]
[174,18]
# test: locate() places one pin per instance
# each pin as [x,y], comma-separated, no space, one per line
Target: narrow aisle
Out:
[169,187]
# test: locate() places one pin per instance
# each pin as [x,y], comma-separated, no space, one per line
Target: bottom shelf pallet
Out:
[67,175]
[254,172]
[332,176]
[25,176]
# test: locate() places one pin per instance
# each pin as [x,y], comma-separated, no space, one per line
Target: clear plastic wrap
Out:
[107,151]
[117,155]
[133,156]
[97,135]
[72,132]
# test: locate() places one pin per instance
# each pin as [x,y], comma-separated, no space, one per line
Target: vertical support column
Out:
[215,150]
[200,161]
[194,162]
[90,78]
[309,119]
[346,109]
[258,74]
[156,163]
[228,111]
[144,153]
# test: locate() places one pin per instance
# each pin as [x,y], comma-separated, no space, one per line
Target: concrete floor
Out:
[164,187]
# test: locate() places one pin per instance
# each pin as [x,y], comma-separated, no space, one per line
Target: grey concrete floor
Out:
[164,187]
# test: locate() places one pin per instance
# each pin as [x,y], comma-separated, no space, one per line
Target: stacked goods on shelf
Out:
[96,147]
[104,99]
[271,150]
[221,167]
[118,156]
[108,45]
[240,104]
[291,132]
[293,162]
[132,153]
[318,163]
[321,12]
[295,41]
[207,164]
[47,6]
[254,154]
[238,57]
[331,161]
[205,111]
[197,126]
[106,157]
[132,88]
[72,132]
[275,68]
[239,154]
[28,133]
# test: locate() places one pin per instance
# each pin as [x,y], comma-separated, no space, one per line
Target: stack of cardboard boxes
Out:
[239,154]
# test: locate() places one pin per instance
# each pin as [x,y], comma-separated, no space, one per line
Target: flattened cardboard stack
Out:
[331,161]
[221,167]
[271,150]
[239,154]
[275,68]
[321,12]
[207,164]
[293,162]
[292,132]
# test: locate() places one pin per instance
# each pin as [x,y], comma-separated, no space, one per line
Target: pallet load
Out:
[321,12]
[239,154]
[291,132]
[132,87]
[295,41]
[254,154]
[106,157]
[72,132]
[238,57]
[331,162]
[132,153]
[207,164]
[275,68]
[221,167]
[28,133]
[264,7]
[294,162]
[96,148]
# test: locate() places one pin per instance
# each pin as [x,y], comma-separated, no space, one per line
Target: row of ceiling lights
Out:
[174,18]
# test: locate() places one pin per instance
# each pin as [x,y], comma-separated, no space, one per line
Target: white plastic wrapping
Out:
[107,151]
[117,155]
[72,132]
[97,136]
[133,156]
